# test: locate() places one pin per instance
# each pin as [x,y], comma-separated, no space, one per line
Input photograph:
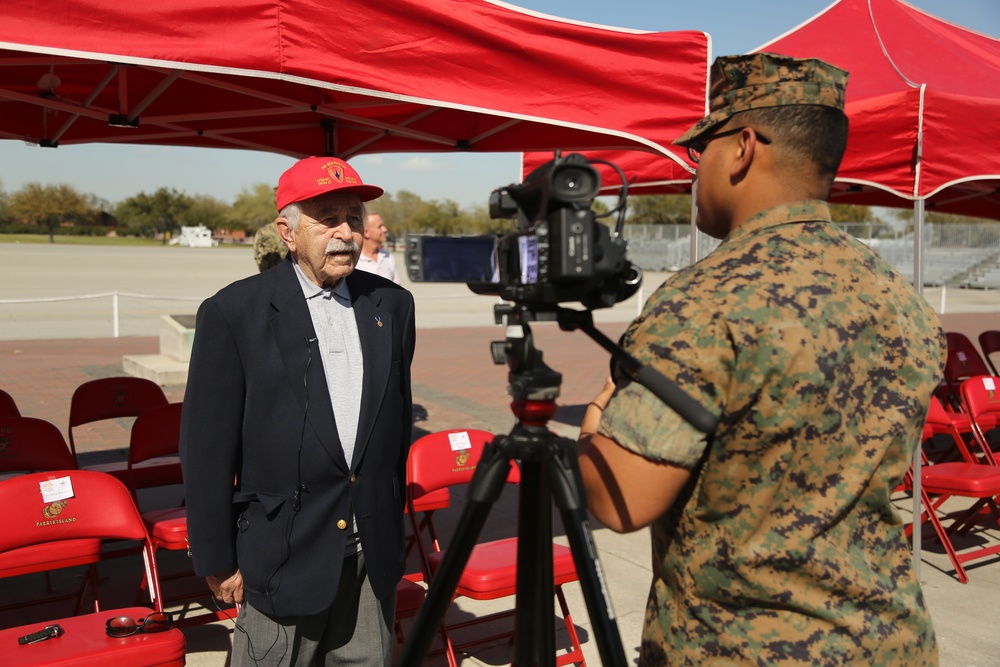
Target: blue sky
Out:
[116,172]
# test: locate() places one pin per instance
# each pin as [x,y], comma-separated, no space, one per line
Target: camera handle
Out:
[665,390]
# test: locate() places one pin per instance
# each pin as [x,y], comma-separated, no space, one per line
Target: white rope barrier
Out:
[115,296]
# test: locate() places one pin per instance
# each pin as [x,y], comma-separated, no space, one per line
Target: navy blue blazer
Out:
[257,423]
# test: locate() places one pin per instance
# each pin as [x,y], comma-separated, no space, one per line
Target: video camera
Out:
[560,253]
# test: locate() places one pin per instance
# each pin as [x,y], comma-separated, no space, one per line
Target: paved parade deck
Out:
[455,384]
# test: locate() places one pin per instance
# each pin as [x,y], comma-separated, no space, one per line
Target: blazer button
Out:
[342,524]
[354,478]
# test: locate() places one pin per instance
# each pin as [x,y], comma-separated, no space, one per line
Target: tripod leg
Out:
[533,637]
[567,491]
[487,483]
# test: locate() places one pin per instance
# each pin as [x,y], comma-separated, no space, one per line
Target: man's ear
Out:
[746,147]
[284,231]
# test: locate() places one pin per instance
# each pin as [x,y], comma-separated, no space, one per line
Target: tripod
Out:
[549,472]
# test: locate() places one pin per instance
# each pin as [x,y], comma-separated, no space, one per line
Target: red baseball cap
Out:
[314,176]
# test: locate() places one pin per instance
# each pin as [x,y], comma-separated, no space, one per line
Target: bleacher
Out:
[953,255]
[988,279]
[942,266]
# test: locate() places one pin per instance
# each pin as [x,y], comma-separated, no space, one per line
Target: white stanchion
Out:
[114,315]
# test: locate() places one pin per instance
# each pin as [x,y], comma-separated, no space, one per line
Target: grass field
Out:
[64,239]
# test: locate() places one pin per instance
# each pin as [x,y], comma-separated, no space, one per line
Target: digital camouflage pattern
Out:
[819,360]
[761,80]
[268,248]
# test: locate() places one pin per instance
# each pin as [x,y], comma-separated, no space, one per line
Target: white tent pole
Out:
[695,241]
[918,280]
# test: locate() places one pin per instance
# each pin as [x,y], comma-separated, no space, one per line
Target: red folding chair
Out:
[944,481]
[955,425]
[963,362]
[981,399]
[114,398]
[446,459]
[32,445]
[154,449]
[8,408]
[52,508]
[156,436]
[989,342]
[409,597]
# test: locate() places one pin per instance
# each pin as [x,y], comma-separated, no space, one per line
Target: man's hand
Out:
[624,490]
[227,587]
[592,417]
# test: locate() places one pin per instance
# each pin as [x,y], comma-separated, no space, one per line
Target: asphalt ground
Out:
[49,348]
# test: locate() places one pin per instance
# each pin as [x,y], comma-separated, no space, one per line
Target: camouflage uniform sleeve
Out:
[689,346]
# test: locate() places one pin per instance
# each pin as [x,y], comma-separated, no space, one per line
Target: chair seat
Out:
[85,643]
[970,480]
[491,571]
[49,556]
[160,471]
[409,597]
[167,527]
[435,500]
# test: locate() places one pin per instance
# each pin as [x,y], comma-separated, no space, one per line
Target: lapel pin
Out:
[378,321]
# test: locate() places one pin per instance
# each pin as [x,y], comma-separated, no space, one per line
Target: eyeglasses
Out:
[697,148]
[125,626]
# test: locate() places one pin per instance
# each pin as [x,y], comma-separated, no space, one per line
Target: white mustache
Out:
[335,246]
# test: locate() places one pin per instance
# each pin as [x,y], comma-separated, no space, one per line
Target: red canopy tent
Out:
[923,101]
[308,77]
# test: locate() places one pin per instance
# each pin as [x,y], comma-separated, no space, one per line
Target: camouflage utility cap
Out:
[268,248]
[761,80]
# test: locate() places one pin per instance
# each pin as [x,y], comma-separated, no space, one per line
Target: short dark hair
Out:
[814,133]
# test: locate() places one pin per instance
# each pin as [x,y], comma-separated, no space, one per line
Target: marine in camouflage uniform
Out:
[782,546]
[268,248]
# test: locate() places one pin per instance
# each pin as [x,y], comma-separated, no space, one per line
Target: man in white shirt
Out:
[374,258]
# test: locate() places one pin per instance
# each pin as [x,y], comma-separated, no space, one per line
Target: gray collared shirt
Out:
[340,349]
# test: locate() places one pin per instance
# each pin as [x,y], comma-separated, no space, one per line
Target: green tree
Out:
[4,206]
[50,206]
[906,215]
[398,211]
[660,210]
[151,214]
[253,208]
[208,211]
[852,213]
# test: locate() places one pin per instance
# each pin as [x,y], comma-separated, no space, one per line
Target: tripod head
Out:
[530,379]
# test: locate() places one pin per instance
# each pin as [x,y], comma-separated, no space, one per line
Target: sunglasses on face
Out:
[125,626]
[697,148]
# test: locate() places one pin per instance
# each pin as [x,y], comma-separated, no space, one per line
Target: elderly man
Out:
[774,539]
[375,258]
[296,427]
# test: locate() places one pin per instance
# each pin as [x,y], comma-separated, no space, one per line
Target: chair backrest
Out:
[30,444]
[46,507]
[156,432]
[447,458]
[981,395]
[981,398]
[110,398]
[8,408]
[963,359]
[937,416]
[989,342]
[940,422]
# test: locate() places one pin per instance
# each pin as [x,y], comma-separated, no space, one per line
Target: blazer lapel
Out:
[295,336]
[375,330]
